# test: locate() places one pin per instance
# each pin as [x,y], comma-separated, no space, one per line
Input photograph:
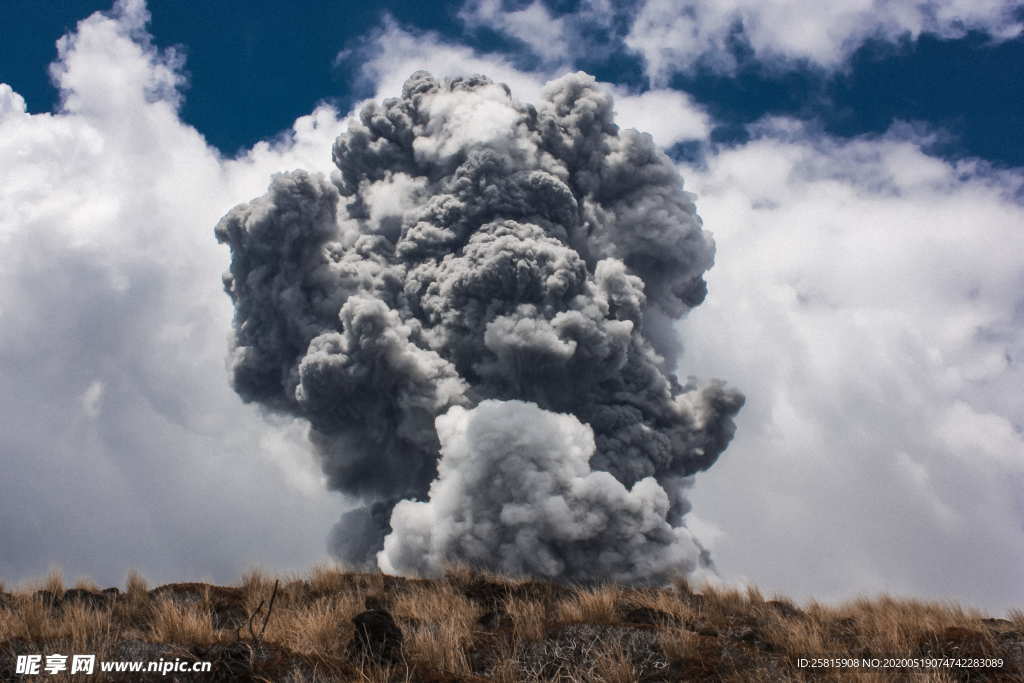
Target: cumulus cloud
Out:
[868,299]
[533,25]
[122,447]
[670,116]
[392,52]
[673,36]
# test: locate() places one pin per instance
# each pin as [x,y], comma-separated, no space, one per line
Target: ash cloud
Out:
[472,315]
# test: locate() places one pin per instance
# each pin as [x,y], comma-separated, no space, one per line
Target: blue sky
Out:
[859,167]
[254,67]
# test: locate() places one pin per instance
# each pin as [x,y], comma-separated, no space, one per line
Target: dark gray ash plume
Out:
[474,313]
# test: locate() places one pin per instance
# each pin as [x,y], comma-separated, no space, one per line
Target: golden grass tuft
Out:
[135,585]
[529,618]
[804,638]
[593,605]
[257,589]
[722,601]
[36,619]
[322,627]
[678,643]
[440,630]
[54,582]
[183,623]
[662,600]
[614,665]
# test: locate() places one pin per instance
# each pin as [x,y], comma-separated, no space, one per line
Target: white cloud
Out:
[123,444]
[534,25]
[557,39]
[394,52]
[674,36]
[868,299]
[11,103]
[670,116]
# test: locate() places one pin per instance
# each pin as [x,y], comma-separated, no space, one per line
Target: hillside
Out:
[469,626]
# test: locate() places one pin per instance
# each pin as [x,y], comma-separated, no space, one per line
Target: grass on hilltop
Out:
[476,626]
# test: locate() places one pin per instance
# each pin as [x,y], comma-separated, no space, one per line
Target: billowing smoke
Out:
[474,315]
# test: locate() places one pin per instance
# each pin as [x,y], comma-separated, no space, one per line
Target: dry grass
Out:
[54,582]
[722,602]
[807,638]
[888,625]
[257,587]
[529,618]
[322,626]
[678,643]
[608,632]
[135,585]
[615,665]
[596,605]
[441,627]
[677,608]
[33,619]
[176,622]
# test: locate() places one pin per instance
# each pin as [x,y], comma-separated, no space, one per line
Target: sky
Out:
[859,166]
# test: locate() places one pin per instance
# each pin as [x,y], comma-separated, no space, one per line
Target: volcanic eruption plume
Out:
[474,314]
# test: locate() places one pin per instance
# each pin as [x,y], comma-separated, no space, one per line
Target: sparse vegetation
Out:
[333,625]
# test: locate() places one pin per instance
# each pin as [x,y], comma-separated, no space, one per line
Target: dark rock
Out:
[112,592]
[232,616]
[375,602]
[638,614]
[747,635]
[377,637]
[540,591]
[786,609]
[703,628]
[492,595]
[751,636]
[231,661]
[493,620]
[198,592]
[48,598]
[89,599]
[486,593]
